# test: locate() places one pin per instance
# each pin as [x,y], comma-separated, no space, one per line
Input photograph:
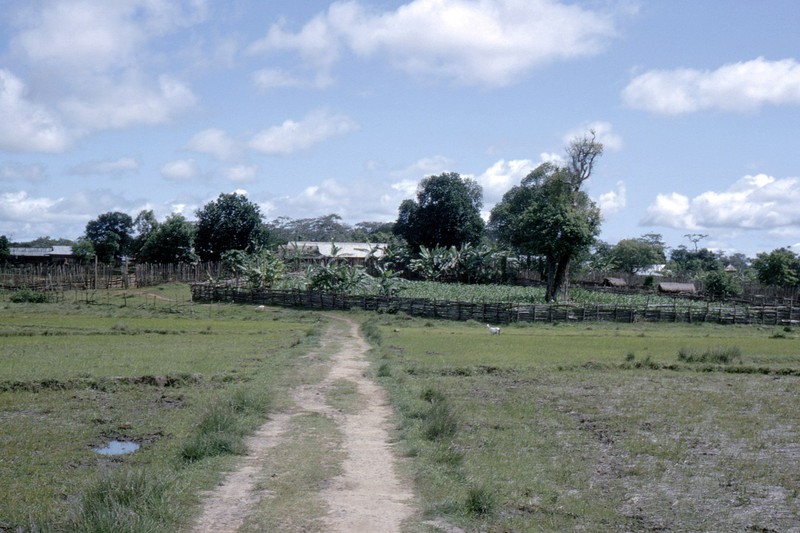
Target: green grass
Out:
[187,382]
[598,428]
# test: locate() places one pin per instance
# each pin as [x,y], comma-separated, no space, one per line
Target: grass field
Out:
[186,382]
[597,427]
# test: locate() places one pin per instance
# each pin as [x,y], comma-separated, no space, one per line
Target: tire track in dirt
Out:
[368,496]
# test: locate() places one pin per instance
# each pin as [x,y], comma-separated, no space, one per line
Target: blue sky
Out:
[342,107]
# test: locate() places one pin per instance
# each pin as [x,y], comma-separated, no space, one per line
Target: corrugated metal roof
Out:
[344,249]
[23,251]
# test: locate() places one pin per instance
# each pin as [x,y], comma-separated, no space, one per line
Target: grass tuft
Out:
[719,355]
[125,500]
[480,501]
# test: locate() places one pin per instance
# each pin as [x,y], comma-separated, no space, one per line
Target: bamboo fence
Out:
[505,313]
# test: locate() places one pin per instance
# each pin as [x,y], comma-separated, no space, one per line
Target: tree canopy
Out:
[779,268]
[168,242]
[231,222]
[630,255]
[111,235]
[548,215]
[447,212]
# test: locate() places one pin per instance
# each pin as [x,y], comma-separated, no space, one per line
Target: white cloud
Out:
[123,165]
[502,176]
[753,202]
[180,170]
[489,43]
[114,105]
[604,133]
[241,173]
[26,126]
[744,86]
[292,136]
[214,142]
[427,166]
[269,78]
[613,201]
[19,172]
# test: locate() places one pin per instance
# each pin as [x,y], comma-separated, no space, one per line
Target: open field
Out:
[186,382]
[642,427]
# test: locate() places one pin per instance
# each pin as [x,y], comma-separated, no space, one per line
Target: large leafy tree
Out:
[169,242]
[111,235]
[694,263]
[548,214]
[447,212]
[231,222]
[779,268]
[5,252]
[630,255]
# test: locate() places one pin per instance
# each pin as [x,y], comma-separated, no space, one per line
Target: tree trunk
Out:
[557,268]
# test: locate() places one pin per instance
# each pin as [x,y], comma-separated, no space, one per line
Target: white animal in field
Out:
[493,330]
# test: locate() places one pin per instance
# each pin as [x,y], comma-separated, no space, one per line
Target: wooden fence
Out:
[90,276]
[504,313]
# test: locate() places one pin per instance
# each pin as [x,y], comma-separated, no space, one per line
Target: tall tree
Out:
[111,235]
[231,222]
[779,268]
[169,242]
[447,212]
[548,214]
[144,224]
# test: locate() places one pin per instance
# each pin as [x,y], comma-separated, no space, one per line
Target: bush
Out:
[480,501]
[28,295]
[721,285]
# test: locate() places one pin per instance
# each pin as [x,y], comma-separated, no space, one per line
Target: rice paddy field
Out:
[640,427]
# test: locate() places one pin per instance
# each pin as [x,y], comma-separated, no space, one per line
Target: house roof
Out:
[45,251]
[343,249]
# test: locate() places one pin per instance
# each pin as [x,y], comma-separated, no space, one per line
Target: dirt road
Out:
[368,496]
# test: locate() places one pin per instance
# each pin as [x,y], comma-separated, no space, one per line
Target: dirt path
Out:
[368,496]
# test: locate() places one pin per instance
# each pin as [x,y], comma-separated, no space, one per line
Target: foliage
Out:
[445,213]
[327,228]
[5,253]
[144,224]
[688,263]
[335,275]
[264,269]
[111,234]
[630,255]
[466,264]
[28,295]
[780,268]
[719,355]
[170,242]
[720,284]
[231,222]
[546,216]
[83,250]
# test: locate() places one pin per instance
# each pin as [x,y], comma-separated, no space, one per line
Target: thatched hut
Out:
[614,282]
[670,287]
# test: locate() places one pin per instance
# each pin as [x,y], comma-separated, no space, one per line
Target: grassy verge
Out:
[598,428]
[186,382]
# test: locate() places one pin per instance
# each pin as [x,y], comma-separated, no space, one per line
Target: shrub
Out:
[440,422]
[28,295]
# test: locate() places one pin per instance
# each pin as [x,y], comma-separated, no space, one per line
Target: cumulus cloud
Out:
[292,136]
[123,165]
[489,43]
[744,86]
[180,170]
[214,142]
[26,126]
[753,202]
[613,201]
[90,66]
[502,176]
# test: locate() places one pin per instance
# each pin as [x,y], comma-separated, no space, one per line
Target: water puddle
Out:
[117,447]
